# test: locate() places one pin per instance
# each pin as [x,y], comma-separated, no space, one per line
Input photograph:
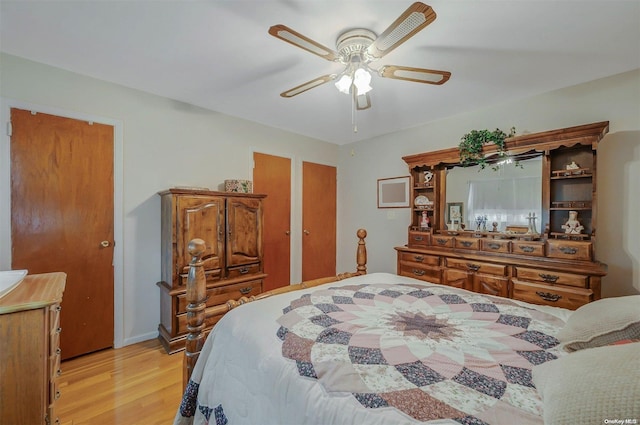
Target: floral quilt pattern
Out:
[431,352]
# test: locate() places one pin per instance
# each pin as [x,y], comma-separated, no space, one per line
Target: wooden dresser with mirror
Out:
[544,260]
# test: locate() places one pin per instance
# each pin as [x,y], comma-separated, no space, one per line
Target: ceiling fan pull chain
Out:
[353,110]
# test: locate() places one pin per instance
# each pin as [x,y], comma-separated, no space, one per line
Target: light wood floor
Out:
[135,385]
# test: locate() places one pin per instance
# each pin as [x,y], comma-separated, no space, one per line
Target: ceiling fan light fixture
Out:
[361,79]
[344,84]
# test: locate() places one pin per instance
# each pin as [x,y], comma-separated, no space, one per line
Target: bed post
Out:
[361,252]
[196,297]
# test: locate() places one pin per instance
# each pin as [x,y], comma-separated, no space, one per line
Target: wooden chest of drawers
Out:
[30,351]
[538,280]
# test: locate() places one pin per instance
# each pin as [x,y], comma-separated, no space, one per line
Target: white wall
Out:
[167,143]
[615,99]
[164,144]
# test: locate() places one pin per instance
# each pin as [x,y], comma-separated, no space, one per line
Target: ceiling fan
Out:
[358,48]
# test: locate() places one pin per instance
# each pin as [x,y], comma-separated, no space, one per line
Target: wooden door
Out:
[272,177]
[318,220]
[62,218]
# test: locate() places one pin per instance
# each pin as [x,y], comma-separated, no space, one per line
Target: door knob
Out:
[105,244]
[287,232]
[306,232]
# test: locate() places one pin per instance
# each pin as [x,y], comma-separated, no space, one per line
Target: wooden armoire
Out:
[231,225]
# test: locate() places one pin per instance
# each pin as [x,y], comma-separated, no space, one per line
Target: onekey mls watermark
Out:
[627,421]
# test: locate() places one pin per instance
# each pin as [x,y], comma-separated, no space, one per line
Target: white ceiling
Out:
[217,54]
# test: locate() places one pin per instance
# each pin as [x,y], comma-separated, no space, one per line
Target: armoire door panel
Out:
[202,217]
[244,228]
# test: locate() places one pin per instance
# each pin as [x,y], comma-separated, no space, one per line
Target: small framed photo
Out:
[393,192]
[454,212]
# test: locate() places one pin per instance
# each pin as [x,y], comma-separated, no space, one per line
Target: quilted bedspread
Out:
[375,349]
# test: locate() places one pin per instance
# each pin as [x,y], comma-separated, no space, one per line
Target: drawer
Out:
[442,241]
[466,243]
[476,266]
[415,257]
[54,392]
[419,239]
[54,366]
[456,278]
[53,415]
[420,271]
[210,276]
[491,285]
[535,249]
[243,270]
[222,294]
[573,250]
[54,341]
[495,245]
[552,277]
[557,296]
[54,317]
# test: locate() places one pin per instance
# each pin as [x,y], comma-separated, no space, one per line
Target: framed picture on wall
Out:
[393,192]
[454,212]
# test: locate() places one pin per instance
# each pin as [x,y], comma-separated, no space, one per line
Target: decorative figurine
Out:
[424,222]
[573,226]
[572,166]
[495,226]
[428,175]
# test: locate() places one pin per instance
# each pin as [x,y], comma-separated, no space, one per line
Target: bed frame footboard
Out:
[196,297]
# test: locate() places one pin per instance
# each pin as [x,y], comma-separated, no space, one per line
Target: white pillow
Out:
[591,386]
[602,322]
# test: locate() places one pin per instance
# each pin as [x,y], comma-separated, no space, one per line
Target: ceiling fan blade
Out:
[308,85]
[290,36]
[418,75]
[362,101]
[415,18]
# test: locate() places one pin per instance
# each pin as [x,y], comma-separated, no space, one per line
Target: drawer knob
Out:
[466,244]
[418,258]
[526,248]
[493,245]
[244,270]
[547,296]
[245,291]
[441,241]
[549,278]
[568,250]
[473,267]
[418,238]
[418,272]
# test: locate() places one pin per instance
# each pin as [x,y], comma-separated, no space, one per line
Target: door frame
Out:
[118,217]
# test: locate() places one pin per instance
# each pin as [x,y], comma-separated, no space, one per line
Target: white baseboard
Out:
[138,338]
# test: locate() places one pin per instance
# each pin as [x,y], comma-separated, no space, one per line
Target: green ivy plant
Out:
[472,143]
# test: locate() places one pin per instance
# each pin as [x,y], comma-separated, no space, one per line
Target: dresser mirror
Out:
[506,196]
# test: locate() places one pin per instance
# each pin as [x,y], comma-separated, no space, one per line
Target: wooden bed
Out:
[196,297]
[384,349]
